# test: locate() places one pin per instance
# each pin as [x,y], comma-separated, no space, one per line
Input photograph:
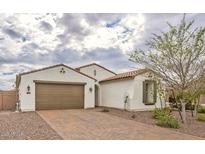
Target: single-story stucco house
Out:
[63,87]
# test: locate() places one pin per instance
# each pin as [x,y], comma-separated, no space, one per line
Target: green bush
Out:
[201,109]
[201,117]
[167,109]
[161,112]
[165,119]
[168,121]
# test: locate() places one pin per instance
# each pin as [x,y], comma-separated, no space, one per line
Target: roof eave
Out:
[118,79]
[127,77]
[18,76]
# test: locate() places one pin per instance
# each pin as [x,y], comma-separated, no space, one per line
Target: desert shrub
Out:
[201,109]
[167,109]
[161,112]
[201,117]
[168,121]
[158,113]
[165,119]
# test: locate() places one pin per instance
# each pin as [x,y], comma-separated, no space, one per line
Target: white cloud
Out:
[7,76]
[123,35]
[28,26]
[30,41]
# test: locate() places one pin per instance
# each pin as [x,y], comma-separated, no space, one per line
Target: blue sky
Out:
[30,41]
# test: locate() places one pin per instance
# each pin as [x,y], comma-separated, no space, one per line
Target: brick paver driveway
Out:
[91,124]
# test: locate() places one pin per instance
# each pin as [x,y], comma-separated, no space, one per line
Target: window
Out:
[149,92]
[95,73]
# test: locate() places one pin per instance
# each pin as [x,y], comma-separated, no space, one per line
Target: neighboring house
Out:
[62,87]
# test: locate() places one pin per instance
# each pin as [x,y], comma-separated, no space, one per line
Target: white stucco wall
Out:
[100,72]
[113,94]
[100,75]
[27,101]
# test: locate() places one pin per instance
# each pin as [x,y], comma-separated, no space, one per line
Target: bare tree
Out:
[177,56]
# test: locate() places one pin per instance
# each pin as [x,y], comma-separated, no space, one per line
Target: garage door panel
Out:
[44,106]
[59,96]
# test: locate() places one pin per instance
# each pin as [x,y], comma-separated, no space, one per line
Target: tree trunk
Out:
[183,112]
[195,109]
[192,113]
[196,106]
[180,114]
[161,102]
[175,100]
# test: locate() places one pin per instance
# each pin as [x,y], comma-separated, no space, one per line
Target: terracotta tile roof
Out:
[78,68]
[130,74]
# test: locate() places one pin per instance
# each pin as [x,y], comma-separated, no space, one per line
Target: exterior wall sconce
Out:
[62,70]
[28,90]
[90,89]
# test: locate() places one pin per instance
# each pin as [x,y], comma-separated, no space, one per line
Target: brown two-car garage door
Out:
[59,96]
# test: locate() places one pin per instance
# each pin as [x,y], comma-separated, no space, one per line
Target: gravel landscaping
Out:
[193,127]
[25,126]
